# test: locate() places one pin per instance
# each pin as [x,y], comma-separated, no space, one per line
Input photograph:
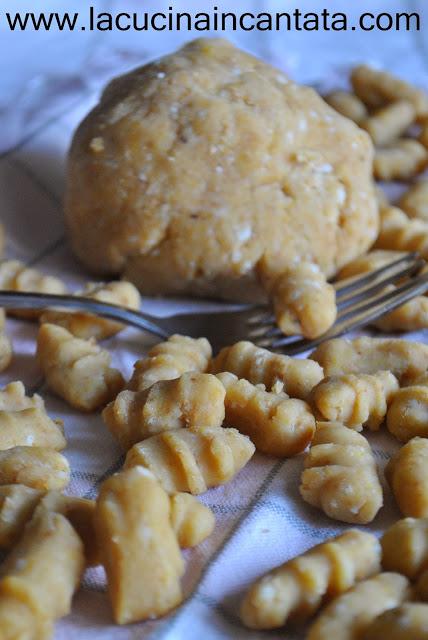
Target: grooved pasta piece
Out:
[406,473]
[408,413]
[406,360]
[377,88]
[401,233]
[356,400]
[402,160]
[340,475]
[406,622]
[39,577]
[415,201]
[260,366]
[35,467]
[192,460]
[170,359]
[77,370]
[295,590]
[24,421]
[304,301]
[405,547]
[348,104]
[138,546]
[278,425]
[350,615]
[390,122]
[86,325]
[191,520]
[16,276]
[192,400]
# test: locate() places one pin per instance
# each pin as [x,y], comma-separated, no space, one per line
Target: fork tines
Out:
[360,300]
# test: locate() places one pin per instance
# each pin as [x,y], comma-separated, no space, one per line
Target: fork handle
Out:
[25,300]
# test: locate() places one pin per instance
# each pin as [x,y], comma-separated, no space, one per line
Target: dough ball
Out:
[209,171]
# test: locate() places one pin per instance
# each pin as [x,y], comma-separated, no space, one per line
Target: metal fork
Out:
[360,300]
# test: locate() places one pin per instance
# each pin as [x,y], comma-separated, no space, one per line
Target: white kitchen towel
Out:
[261,520]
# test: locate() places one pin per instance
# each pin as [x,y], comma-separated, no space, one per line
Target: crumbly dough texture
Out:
[194,399]
[405,547]
[340,475]
[260,366]
[356,400]
[351,614]
[77,370]
[406,473]
[406,360]
[170,359]
[347,104]
[138,546]
[192,460]
[277,425]
[261,144]
[406,622]
[39,578]
[295,590]
[16,276]
[191,520]
[304,302]
[408,413]
[415,200]
[86,325]
[24,421]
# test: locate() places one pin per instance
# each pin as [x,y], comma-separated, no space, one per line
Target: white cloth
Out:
[261,520]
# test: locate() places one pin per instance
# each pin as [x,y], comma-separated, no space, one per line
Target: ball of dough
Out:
[208,171]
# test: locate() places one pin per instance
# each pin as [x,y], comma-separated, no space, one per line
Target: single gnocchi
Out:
[340,475]
[415,201]
[304,301]
[138,546]
[86,325]
[356,400]
[408,413]
[24,421]
[407,476]
[296,590]
[405,547]
[169,360]
[352,613]
[348,104]
[404,359]
[194,399]
[36,467]
[192,460]
[260,366]
[16,276]
[277,425]
[409,621]
[39,577]
[390,122]
[402,160]
[377,88]
[77,370]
